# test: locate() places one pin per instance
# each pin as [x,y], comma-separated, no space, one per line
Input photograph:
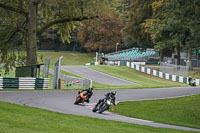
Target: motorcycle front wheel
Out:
[78,100]
[95,108]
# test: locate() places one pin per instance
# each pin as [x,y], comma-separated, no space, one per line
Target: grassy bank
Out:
[129,74]
[182,111]
[24,119]
[144,80]
[68,58]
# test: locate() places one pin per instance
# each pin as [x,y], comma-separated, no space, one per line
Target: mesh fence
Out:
[178,70]
[69,82]
[73,82]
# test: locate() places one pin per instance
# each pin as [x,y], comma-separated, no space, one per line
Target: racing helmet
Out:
[113,92]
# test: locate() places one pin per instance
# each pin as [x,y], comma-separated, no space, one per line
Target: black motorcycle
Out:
[103,105]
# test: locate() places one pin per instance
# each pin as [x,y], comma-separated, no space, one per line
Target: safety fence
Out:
[74,82]
[157,73]
[24,83]
[179,70]
[70,82]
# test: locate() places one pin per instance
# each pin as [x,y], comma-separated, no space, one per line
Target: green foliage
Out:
[60,15]
[140,10]
[11,37]
[174,23]
[182,111]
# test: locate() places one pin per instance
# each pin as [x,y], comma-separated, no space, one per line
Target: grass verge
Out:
[183,111]
[129,74]
[68,58]
[24,119]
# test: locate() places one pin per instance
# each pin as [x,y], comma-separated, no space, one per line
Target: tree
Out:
[140,10]
[101,35]
[26,20]
[124,9]
[174,24]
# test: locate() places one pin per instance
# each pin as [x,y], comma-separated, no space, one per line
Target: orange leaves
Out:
[101,34]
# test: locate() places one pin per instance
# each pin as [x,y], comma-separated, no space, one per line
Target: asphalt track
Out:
[62,101]
[99,77]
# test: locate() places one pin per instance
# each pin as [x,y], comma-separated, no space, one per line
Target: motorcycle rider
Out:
[89,92]
[191,81]
[109,94]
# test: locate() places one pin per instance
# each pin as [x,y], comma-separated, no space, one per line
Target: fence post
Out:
[57,73]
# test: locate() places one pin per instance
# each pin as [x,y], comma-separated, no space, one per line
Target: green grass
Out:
[99,86]
[96,85]
[10,74]
[145,80]
[68,58]
[24,119]
[70,74]
[183,111]
[129,74]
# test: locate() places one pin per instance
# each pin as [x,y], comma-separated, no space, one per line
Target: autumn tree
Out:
[101,34]
[22,21]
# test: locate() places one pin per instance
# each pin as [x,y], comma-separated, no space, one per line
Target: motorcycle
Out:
[81,97]
[103,105]
[193,83]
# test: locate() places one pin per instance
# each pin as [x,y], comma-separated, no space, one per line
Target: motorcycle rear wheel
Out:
[103,108]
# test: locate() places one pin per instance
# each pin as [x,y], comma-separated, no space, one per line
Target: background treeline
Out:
[96,25]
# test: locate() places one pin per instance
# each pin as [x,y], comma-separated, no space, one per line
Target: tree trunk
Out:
[32,39]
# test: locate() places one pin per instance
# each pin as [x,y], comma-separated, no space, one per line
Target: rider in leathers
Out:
[109,94]
[89,92]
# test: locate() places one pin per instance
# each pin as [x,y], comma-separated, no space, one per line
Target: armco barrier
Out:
[171,77]
[24,83]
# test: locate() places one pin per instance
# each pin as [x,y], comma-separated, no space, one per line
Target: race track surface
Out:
[62,101]
[96,76]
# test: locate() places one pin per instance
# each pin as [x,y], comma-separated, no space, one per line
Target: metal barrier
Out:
[24,83]
[74,82]
[174,69]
